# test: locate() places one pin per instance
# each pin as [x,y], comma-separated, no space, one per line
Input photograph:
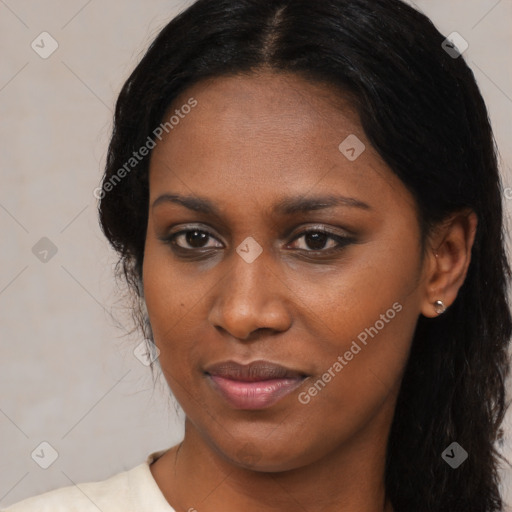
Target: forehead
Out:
[266,133]
[265,103]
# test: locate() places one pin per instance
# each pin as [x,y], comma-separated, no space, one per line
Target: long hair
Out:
[422,111]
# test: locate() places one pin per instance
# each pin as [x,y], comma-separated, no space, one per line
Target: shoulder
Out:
[122,492]
[107,496]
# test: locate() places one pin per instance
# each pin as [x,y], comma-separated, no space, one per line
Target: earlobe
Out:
[439,307]
[449,263]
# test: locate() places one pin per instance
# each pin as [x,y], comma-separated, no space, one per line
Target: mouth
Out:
[257,385]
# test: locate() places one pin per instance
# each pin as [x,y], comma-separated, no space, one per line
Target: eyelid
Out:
[169,238]
[315,228]
[339,238]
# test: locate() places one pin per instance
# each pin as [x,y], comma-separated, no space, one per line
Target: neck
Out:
[350,478]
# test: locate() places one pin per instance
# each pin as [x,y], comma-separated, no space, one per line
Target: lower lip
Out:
[254,395]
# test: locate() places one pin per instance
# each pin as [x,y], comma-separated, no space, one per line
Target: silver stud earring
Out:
[439,307]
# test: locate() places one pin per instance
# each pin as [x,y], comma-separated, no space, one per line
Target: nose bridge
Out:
[250,297]
[249,275]
[249,271]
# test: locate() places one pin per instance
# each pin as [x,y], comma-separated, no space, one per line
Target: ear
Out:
[447,260]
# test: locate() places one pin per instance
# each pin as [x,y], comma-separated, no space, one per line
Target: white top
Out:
[134,490]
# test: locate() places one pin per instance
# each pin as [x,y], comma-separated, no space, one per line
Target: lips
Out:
[252,372]
[257,385]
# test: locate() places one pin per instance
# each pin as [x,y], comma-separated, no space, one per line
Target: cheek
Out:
[354,296]
[369,316]
[166,298]
[175,304]
[387,270]
[360,369]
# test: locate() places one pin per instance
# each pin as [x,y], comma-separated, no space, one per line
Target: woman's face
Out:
[292,250]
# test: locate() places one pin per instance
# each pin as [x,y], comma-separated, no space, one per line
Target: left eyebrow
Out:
[287,206]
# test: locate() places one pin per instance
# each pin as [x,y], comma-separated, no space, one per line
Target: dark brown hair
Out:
[422,111]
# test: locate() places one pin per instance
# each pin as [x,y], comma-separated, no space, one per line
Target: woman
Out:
[306,202]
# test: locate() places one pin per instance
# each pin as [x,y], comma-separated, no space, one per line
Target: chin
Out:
[263,457]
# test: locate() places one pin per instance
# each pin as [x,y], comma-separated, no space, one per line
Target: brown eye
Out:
[317,239]
[196,238]
[191,239]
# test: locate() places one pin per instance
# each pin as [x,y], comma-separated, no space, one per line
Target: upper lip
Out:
[253,372]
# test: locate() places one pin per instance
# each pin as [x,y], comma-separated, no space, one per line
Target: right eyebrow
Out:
[287,206]
[195,203]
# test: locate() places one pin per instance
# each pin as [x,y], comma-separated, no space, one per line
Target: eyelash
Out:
[342,241]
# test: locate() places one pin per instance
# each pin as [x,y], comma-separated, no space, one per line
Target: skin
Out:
[252,141]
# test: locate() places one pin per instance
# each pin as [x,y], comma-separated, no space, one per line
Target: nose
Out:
[251,297]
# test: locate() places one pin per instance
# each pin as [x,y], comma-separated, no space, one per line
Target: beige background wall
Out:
[68,376]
